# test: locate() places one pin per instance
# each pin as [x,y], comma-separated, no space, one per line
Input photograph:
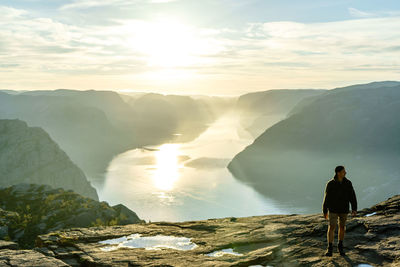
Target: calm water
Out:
[186,181]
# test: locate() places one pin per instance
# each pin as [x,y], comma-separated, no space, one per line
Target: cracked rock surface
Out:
[11,256]
[373,237]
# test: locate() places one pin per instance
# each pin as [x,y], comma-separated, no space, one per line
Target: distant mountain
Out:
[11,92]
[111,103]
[74,124]
[94,126]
[355,126]
[260,110]
[161,116]
[304,102]
[370,85]
[29,155]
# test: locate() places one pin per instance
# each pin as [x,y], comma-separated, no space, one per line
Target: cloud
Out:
[11,13]
[161,1]
[360,14]
[43,52]
[84,4]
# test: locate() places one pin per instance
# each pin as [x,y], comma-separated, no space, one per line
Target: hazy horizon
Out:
[128,91]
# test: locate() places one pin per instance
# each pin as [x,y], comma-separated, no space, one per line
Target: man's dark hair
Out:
[338,169]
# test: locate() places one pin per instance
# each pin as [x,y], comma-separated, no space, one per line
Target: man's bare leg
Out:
[331,233]
[342,230]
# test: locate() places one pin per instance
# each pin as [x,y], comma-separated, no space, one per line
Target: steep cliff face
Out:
[372,238]
[29,155]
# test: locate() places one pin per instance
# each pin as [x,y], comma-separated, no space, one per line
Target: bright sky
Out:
[219,47]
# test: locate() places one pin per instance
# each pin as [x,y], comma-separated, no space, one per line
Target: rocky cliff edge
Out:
[372,238]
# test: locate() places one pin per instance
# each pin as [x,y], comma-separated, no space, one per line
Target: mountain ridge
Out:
[356,128]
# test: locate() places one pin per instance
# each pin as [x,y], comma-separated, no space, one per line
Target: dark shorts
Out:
[335,217]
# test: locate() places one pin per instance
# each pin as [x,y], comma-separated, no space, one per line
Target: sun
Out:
[167,43]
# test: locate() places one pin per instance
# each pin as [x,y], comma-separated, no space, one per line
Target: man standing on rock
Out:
[339,192]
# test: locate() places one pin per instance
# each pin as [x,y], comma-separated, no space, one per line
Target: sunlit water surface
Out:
[186,181]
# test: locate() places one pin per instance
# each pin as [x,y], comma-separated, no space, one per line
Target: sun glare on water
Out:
[167,167]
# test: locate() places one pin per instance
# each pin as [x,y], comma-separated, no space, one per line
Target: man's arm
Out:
[326,198]
[353,198]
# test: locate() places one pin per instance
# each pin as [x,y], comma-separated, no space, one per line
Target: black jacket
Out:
[338,195]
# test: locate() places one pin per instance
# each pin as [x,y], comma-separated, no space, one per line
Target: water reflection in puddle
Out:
[222,252]
[148,242]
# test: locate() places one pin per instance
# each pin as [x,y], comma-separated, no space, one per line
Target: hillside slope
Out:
[357,127]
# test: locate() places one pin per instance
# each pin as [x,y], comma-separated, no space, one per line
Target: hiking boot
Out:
[329,251]
[340,248]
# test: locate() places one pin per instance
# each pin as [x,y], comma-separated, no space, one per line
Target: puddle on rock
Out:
[239,250]
[370,214]
[148,242]
[222,252]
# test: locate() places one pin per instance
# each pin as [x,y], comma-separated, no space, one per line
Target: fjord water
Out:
[186,181]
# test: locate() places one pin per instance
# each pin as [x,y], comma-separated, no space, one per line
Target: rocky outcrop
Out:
[373,237]
[27,210]
[29,155]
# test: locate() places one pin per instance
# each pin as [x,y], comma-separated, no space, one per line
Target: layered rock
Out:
[29,155]
[11,256]
[27,210]
[373,237]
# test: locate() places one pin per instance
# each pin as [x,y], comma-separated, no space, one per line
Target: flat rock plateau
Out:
[372,239]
